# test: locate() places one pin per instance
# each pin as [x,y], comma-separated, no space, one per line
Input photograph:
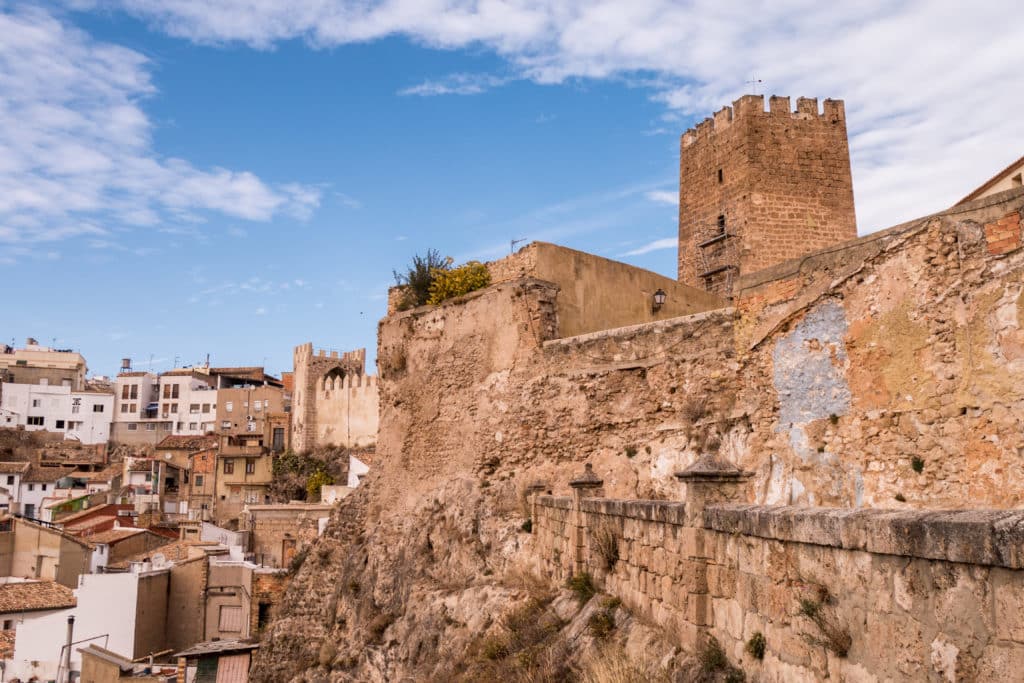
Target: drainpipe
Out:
[67,652]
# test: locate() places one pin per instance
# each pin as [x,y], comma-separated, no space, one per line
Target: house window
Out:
[36,403]
[719,175]
[229,406]
[135,392]
[31,487]
[257,405]
[721,224]
[229,466]
[132,427]
[250,466]
[124,392]
[59,424]
[174,407]
[124,407]
[167,391]
[35,421]
[10,480]
[226,424]
[206,407]
[230,619]
[8,624]
[75,408]
[149,476]
[199,481]
[150,427]
[43,487]
[134,408]
[193,408]
[97,408]
[193,426]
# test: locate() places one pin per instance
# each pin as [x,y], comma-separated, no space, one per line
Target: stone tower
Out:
[757,188]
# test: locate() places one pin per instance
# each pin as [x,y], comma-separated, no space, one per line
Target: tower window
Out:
[719,175]
[721,224]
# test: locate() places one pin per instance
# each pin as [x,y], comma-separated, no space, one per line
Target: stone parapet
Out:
[983,537]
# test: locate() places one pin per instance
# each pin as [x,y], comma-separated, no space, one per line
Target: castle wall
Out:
[922,596]
[346,415]
[757,188]
[888,370]
[324,413]
[596,293]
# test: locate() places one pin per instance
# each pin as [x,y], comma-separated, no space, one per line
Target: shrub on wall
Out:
[418,277]
[452,282]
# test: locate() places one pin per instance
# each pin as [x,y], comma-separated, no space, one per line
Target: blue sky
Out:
[177,181]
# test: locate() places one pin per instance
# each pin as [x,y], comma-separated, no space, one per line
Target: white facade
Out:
[34,496]
[10,485]
[182,403]
[105,615]
[79,415]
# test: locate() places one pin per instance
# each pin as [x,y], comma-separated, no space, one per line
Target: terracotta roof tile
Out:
[14,467]
[7,644]
[196,443]
[32,596]
[112,536]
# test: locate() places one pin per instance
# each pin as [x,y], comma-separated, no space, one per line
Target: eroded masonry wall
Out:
[888,373]
[835,594]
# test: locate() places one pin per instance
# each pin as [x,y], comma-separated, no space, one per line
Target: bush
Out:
[449,283]
[714,662]
[605,543]
[756,645]
[418,277]
[297,560]
[601,623]
[833,636]
[583,586]
[317,481]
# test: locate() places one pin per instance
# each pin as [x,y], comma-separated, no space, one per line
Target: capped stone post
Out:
[531,492]
[710,479]
[586,485]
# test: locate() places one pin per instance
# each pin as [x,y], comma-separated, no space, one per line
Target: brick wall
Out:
[757,188]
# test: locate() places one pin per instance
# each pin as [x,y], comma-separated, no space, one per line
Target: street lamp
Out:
[659,299]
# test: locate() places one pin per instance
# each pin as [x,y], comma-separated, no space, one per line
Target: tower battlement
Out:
[750,106]
[760,186]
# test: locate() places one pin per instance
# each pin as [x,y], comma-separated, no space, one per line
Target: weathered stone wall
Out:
[596,293]
[757,188]
[346,411]
[921,595]
[316,406]
[830,375]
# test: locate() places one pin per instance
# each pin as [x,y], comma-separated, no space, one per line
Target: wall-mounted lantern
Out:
[659,299]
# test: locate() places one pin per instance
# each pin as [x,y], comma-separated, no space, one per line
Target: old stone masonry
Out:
[809,450]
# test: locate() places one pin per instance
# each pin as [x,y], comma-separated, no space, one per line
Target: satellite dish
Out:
[159,560]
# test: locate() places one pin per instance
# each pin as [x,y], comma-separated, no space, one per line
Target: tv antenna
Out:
[753,82]
[513,243]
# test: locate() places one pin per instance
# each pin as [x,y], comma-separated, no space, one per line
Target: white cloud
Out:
[663,197]
[928,121]
[456,84]
[76,156]
[656,245]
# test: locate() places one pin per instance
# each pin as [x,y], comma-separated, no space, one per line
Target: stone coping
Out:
[983,537]
[560,502]
[665,325]
[667,512]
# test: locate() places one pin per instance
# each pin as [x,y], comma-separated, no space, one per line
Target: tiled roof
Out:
[106,509]
[113,536]
[14,467]
[29,596]
[192,443]
[132,374]
[173,552]
[7,644]
[46,474]
[213,647]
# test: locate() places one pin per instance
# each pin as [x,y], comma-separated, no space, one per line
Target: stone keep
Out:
[759,187]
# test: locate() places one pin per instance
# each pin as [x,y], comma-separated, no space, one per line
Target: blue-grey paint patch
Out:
[809,368]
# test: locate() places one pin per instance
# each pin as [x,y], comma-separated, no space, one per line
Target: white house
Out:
[11,474]
[79,415]
[122,613]
[37,488]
